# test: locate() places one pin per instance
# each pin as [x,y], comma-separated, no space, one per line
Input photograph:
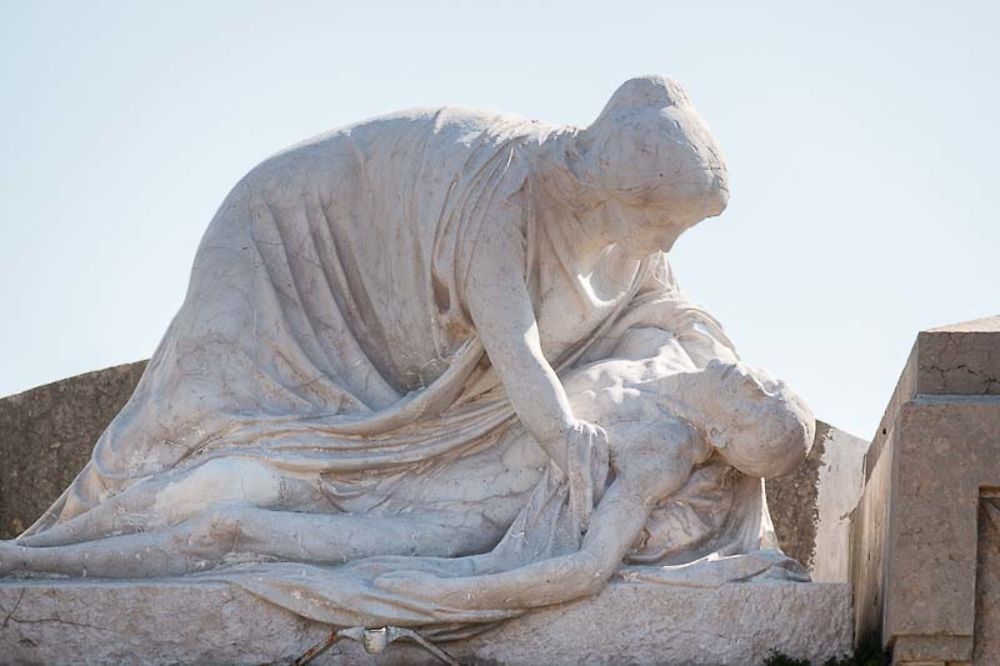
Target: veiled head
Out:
[651,153]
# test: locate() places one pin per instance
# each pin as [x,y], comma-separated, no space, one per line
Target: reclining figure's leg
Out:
[169,499]
[203,541]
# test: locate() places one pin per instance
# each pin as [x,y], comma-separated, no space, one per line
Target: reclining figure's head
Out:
[651,153]
[756,423]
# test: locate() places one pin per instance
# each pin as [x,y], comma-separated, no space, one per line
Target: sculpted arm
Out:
[502,312]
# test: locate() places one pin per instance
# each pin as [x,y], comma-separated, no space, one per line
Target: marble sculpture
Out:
[433,370]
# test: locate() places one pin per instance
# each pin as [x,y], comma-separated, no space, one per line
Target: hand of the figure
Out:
[587,454]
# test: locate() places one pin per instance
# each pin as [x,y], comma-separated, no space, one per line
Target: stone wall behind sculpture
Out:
[47,434]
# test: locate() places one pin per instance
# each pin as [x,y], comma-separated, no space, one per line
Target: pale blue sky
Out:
[861,137]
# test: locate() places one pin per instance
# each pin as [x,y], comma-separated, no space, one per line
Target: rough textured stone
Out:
[915,534]
[961,359]
[810,507]
[869,528]
[82,622]
[793,502]
[47,434]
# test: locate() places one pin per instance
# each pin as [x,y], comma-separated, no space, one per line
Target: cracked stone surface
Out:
[105,622]
[960,359]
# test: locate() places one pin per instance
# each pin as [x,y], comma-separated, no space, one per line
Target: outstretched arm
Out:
[503,313]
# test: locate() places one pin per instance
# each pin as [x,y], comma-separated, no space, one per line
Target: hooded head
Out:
[649,150]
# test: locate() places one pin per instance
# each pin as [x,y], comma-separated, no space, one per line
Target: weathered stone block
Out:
[47,434]
[95,622]
[916,531]
[811,508]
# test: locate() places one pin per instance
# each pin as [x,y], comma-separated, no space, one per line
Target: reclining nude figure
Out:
[662,426]
[390,359]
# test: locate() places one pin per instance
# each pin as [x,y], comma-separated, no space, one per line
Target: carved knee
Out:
[218,481]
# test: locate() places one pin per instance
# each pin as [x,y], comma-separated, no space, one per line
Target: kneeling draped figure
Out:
[433,369]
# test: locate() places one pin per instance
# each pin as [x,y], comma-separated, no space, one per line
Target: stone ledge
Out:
[99,622]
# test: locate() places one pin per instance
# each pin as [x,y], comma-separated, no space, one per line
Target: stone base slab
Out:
[104,622]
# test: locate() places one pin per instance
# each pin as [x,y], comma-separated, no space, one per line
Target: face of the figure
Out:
[758,424]
[643,231]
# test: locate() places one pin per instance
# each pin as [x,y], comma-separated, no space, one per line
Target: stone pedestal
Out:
[929,505]
[103,622]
